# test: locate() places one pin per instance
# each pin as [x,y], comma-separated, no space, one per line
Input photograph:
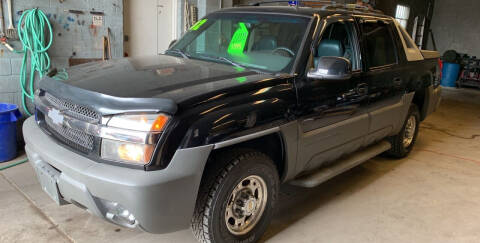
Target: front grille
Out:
[72,137]
[77,111]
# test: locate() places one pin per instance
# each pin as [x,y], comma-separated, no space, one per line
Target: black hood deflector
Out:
[106,104]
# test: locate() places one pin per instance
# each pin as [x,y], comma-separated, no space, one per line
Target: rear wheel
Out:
[236,198]
[403,142]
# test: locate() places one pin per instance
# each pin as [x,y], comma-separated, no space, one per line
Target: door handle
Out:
[362,89]
[397,81]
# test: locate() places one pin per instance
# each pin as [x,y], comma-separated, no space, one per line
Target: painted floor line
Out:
[450,155]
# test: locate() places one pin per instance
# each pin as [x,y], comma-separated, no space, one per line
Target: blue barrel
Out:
[9,115]
[450,73]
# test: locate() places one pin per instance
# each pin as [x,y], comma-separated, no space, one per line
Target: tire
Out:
[399,148]
[225,175]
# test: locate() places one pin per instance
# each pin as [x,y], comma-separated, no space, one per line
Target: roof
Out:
[302,11]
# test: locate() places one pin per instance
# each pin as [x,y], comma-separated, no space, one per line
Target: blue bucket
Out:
[450,73]
[9,115]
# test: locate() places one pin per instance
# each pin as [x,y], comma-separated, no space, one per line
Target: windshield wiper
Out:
[233,63]
[180,52]
[224,59]
[236,64]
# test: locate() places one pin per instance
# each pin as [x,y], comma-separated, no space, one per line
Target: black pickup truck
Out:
[247,99]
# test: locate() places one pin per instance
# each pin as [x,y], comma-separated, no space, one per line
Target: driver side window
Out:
[337,41]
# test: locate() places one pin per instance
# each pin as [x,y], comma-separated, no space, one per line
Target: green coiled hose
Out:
[32,27]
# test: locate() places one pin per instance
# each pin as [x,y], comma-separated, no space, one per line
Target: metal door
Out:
[165,24]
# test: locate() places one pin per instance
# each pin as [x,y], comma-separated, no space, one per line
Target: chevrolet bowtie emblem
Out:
[56,116]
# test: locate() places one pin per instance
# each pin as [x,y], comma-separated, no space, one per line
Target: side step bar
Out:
[321,175]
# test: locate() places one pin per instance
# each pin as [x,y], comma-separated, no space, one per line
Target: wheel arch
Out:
[271,144]
[422,96]
[419,100]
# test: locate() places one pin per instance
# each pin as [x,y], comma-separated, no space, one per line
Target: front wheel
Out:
[403,142]
[236,198]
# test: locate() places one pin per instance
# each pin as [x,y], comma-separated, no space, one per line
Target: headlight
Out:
[142,122]
[128,151]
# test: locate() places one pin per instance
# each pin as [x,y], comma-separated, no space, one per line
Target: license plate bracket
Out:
[48,177]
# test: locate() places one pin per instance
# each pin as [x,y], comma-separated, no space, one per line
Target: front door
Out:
[333,120]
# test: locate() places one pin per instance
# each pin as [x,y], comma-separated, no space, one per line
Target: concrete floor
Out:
[431,196]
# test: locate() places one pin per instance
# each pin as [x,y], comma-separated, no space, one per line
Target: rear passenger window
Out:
[380,45]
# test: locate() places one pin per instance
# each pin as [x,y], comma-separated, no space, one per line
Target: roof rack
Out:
[296,2]
[350,7]
[324,5]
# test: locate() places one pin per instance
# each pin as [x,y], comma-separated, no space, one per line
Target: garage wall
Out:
[73,37]
[455,25]
[422,8]
[207,6]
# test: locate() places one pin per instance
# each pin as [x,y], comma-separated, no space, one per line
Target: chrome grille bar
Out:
[97,129]
[74,110]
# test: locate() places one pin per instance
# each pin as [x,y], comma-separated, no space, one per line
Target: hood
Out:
[134,82]
[149,77]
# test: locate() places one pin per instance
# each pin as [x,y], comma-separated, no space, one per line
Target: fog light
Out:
[118,214]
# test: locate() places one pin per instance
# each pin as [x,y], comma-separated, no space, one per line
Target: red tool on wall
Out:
[3,39]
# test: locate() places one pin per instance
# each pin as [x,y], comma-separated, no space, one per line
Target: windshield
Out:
[262,42]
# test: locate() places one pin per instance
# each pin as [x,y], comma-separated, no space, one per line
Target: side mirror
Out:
[172,43]
[333,68]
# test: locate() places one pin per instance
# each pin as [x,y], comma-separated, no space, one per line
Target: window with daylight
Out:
[402,14]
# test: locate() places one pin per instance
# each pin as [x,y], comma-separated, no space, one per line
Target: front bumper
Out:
[162,201]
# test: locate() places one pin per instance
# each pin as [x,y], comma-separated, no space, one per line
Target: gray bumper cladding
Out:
[160,201]
[434,97]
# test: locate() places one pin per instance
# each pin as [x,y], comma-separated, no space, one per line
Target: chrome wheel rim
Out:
[410,128]
[246,205]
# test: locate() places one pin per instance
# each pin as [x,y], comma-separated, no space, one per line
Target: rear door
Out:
[333,118]
[383,77]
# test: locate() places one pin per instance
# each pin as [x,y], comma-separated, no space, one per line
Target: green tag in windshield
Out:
[239,40]
[241,79]
[198,24]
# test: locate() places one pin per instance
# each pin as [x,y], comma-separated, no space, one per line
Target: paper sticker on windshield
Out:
[198,24]
[239,40]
